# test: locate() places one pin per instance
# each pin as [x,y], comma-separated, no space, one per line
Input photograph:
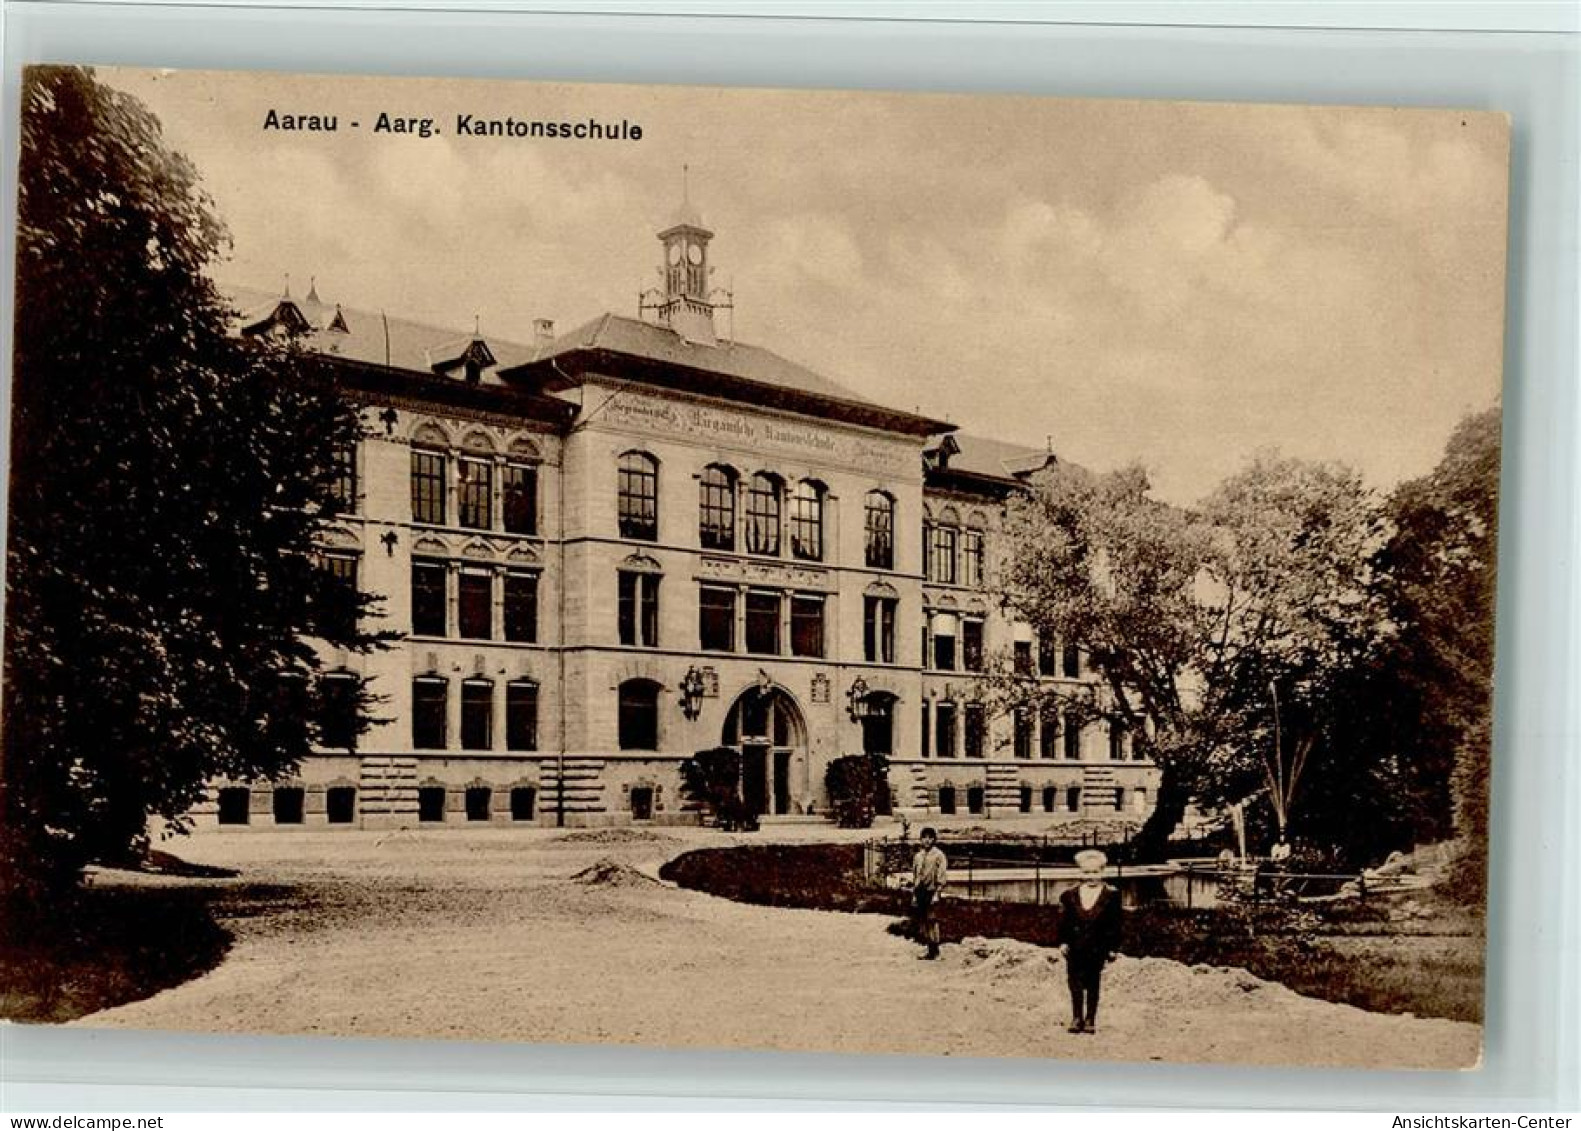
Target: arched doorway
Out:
[766,725]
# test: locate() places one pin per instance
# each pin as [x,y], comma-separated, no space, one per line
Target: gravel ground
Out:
[533,935]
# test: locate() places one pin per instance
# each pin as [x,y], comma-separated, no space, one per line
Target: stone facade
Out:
[624,434]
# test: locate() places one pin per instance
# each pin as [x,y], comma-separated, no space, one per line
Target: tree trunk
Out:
[1152,842]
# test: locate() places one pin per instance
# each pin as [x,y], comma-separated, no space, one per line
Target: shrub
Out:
[712,778]
[854,782]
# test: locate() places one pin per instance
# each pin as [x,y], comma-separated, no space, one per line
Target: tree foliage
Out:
[168,482]
[1441,565]
[1195,622]
[1292,642]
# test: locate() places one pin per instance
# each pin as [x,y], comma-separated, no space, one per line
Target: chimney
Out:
[543,329]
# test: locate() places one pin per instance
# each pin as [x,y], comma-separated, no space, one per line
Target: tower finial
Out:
[287,292]
[686,186]
[312,288]
[477,325]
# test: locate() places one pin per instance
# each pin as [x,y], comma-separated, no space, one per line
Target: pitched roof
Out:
[994,459]
[625,347]
[371,337]
[398,356]
[657,355]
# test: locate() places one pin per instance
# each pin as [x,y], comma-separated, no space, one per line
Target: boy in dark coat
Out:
[1089,936]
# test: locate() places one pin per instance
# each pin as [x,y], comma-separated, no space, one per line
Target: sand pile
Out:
[1158,981]
[614,836]
[612,873]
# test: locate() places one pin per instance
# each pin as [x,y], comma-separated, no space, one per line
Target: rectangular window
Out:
[337,720]
[878,629]
[520,503]
[972,558]
[428,598]
[763,623]
[1023,733]
[1072,661]
[1116,742]
[1022,657]
[344,487]
[1072,732]
[1048,655]
[941,556]
[944,733]
[943,649]
[475,604]
[521,607]
[972,645]
[475,493]
[975,723]
[927,729]
[429,697]
[638,610]
[521,715]
[1048,733]
[336,614]
[477,715]
[716,618]
[806,625]
[428,487]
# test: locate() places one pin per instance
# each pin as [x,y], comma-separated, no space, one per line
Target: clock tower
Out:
[686,304]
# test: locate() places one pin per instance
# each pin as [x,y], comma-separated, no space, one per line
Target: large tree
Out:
[1441,570]
[168,479]
[1209,630]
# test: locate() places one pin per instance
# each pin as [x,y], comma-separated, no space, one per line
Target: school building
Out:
[612,547]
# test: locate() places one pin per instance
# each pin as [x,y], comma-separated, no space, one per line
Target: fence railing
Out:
[1246,881]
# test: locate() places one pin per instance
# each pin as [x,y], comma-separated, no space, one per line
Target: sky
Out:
[1180,284]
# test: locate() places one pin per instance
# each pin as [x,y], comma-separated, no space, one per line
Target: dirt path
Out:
[487,936]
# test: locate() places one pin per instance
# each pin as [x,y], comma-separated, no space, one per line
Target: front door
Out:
[782,760]
[755,778]
[767,727]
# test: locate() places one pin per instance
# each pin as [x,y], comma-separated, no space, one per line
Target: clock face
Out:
[675,253]
[694,253]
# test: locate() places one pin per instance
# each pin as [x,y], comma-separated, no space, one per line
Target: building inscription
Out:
[650,414]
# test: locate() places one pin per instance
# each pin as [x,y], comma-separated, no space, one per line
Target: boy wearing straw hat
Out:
[1089,936]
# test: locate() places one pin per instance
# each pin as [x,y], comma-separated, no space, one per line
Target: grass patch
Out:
[1390,954]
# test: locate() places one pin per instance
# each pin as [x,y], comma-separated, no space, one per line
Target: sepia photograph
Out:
[724,568]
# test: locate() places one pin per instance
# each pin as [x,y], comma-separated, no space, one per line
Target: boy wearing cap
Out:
[1089,935]
[928,875]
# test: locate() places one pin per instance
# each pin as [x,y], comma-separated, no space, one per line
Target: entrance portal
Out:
[767,727]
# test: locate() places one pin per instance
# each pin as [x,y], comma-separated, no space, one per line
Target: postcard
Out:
[758,569]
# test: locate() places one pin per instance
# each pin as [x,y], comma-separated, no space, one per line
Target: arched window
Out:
[639,715]
[807,521]
[716,521]
[880,508]
[638,496]
[764,501]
